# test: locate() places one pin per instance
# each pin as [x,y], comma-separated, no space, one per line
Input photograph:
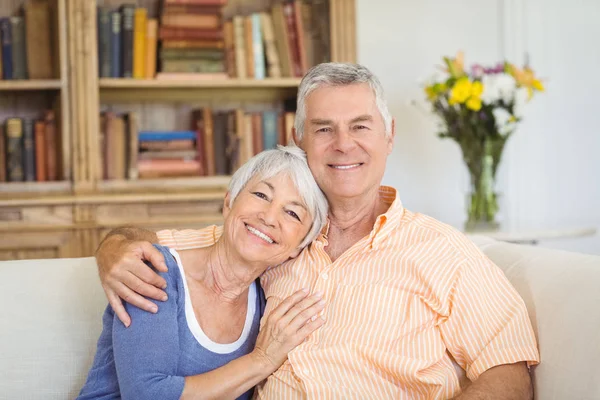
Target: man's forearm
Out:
[504,382]
[130,233]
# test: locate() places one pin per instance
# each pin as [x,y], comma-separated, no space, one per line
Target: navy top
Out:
[150,359]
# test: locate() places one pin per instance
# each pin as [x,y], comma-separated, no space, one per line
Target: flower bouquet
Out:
[480,110]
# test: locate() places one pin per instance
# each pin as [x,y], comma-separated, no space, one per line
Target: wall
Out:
[550,174]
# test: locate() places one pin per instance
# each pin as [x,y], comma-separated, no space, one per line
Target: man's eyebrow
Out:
[362,118]
[319,121]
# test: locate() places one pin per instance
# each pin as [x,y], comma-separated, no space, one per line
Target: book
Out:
[104,50]
[156,136]
[282,40]
[198,126]
[132,145]
[191,21]
[19,50]
[191,54]
[271,52]
[40,150]
[174,76]
[168,145]
[178,9]
[168,168]
[51,145]
[151,45]
[257,133]
[116,138]
[220,142]
[38,33]
[168,155]
[269,129]
[168,33]
[228,36]
[300,36]
[292,36]
[257,47]
[6,37]
[233,141]
[127,22]
[2,154]
[116,52]
[209,141]
[193,44]
[192,66]
[196,2]
[28,150]
[249,47]
[14,150]
[140,22]
[239,45]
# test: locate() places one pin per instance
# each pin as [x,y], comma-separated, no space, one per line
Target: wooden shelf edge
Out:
[165,184]
[31,84]
[126,83]
[37,188]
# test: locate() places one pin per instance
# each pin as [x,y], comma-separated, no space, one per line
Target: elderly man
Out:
[407,296]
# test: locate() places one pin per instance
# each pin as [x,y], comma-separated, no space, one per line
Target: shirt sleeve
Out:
[147,353]
[488,324]
[185,239]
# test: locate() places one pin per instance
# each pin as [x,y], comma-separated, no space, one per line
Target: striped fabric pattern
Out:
[402,303]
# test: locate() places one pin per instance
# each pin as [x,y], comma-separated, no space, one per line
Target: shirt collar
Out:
[389,195]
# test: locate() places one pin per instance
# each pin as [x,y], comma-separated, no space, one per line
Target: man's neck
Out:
[350,220]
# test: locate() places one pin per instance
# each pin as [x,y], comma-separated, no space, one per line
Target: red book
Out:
[40,150]
[51,146]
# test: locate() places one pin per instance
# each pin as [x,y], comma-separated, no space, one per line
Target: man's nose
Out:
[343,141]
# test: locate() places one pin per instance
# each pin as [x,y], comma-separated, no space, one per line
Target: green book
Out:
[19,49]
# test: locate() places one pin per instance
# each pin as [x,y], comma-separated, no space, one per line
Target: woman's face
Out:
[268,220]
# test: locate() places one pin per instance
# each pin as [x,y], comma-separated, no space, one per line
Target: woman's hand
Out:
[287,326]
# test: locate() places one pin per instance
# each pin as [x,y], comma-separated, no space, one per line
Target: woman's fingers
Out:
[288,303]
[303,310]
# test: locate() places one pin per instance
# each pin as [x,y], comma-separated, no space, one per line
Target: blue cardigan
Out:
[150,359]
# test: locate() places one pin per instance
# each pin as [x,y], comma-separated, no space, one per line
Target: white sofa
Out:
[51,318]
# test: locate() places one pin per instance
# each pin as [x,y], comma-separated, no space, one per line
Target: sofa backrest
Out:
[51,319]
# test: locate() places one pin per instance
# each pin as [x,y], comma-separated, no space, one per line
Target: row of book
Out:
[26,40]
[191,37]
[29,149]
[218,142]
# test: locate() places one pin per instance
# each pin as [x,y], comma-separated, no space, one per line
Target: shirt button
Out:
[324,276]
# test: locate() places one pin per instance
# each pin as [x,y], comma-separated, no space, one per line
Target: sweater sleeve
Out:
[147,353]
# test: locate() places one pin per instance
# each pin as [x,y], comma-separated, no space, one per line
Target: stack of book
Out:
[27,51]
[127,42]
[218,142]
[281,42]
[29,149]
[192,39]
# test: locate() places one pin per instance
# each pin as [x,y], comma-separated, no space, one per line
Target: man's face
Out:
[345,141]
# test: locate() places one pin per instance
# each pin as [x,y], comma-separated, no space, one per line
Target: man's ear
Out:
[295,137]
[226,208]
[391,137]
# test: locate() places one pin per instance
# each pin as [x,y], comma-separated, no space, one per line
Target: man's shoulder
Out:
[182,239]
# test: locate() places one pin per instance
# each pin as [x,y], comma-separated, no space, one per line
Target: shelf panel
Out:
[22,85]
[126,83]
[165,184]
[34,188]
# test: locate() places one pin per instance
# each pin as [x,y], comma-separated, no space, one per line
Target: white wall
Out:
[550,176]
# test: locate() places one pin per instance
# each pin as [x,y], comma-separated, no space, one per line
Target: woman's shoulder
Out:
[173,275]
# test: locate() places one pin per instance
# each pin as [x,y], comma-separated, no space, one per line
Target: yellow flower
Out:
[431,95]
[461,91]
[537,85]
[474,103]
[477,89]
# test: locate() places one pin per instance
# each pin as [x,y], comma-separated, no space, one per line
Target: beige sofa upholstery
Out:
[51,318]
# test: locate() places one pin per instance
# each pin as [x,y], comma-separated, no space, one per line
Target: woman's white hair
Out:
[339,74]
[290,160]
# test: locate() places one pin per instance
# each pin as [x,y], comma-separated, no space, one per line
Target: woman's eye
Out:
[294,215]
[261,195]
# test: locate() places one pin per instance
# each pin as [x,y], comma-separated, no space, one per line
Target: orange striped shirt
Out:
[401,303]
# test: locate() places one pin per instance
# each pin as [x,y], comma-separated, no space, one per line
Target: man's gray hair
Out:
[339,74]
[292,161]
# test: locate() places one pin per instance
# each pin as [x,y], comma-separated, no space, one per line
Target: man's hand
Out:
[124,275]
[503,382]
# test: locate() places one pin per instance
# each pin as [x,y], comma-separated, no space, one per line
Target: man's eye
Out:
[261,195]
[294,215]
[324,130]
[360,127]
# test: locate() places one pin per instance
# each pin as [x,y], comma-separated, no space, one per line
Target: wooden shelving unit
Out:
[69,218]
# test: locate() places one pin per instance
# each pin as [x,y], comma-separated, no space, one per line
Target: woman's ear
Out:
[295,253]
[226,208]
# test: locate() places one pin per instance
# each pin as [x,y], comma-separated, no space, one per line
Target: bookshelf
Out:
[68,218]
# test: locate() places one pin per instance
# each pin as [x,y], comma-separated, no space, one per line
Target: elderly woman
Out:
[205,340]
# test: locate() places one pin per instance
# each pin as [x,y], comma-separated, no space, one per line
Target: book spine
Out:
[14,150]
[28,150]
[270,136]
[140,27]
[197,2]
[191,66]
[147,136]
[133,145]
[209,141]
[290,27]
[248,44]
[2,154]
[51,146]
[257,47]
[104,48]
[198,125]
[272,57]
[127,12]
[40,151]
[116,61]
[19,51]
[6,37]
[220,143]
[192,54]
[151,45]
[300,34]
[166,33]
[282,40]
[38,34]
[229,48]
[240,47]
